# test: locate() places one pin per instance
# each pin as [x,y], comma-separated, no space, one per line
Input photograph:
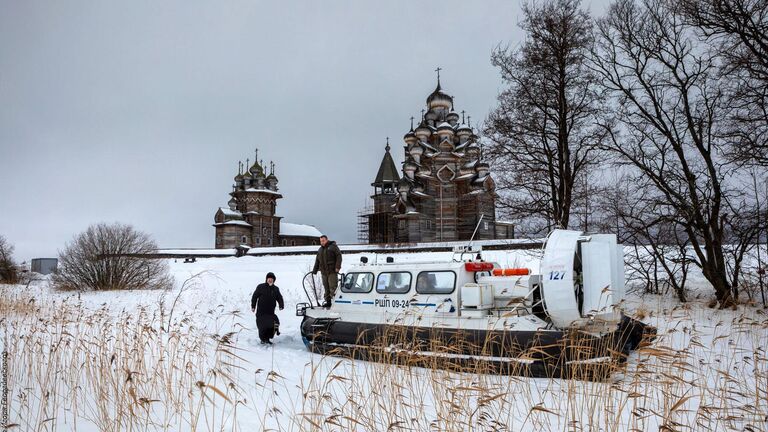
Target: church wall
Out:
[409,229]
[296,241]
[265,230]
[230,236]
[471,207]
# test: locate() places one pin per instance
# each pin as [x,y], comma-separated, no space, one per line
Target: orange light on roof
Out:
[478,266]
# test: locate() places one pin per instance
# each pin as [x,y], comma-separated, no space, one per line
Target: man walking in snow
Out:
[263,303]
[328,262]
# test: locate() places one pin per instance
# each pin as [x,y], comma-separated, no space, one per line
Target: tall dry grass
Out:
[707,371]
[73,367]
[78,368]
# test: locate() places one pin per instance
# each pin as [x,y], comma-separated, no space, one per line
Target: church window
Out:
[258,241]
[244,239]
[269,242]
[293,242]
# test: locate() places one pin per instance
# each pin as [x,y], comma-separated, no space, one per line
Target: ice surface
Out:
[708,365]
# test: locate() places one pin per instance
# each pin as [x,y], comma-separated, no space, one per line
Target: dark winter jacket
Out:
[328,258]
[264,299]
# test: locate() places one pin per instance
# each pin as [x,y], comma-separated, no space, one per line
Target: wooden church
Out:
[443,188]
[251,219]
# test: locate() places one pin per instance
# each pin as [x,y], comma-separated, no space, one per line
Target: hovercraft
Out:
[474,316]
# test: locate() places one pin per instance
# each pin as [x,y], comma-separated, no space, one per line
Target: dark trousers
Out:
[330,283]
[267,324]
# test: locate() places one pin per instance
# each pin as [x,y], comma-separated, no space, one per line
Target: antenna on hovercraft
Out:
[468,248]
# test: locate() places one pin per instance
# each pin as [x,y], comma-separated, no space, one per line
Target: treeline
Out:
[649,121]
[103,257]
[9,271]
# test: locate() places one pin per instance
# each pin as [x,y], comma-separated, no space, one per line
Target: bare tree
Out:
[110,257]
[670,108]
[738,31]
[639,215]
[8,270]
[542,134]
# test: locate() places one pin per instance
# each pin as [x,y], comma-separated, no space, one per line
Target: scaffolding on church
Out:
[363,223]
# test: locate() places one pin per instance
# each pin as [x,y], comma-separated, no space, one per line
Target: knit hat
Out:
[271,275]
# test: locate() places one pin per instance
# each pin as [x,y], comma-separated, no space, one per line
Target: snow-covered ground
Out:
[189,359]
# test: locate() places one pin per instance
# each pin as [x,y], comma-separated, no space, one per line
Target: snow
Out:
[706,371]
[262,191]
[229,212]
[233,222]
[292,229]
[197,252]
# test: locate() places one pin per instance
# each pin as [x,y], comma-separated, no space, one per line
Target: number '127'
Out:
[556,275]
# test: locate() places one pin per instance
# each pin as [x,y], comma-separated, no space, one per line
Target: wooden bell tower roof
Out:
[387,173]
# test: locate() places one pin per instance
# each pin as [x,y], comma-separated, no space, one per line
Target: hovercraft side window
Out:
[394,283]
[357,283]
[436,282]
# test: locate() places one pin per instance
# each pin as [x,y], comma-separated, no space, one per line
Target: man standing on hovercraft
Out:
[328,262]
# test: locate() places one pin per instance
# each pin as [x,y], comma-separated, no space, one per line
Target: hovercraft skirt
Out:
[544,353]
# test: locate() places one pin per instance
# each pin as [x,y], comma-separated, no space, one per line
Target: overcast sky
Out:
[139,111]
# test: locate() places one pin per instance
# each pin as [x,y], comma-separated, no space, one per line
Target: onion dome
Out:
[452,117]
[272,181]
[403,186]
[256,170]
[409,168]
[247,175]
[232,203]
[439,99]
[272,178]
[410,136]
[473,151]
[423,131]
[464,130]
[445,130]
[239,176]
